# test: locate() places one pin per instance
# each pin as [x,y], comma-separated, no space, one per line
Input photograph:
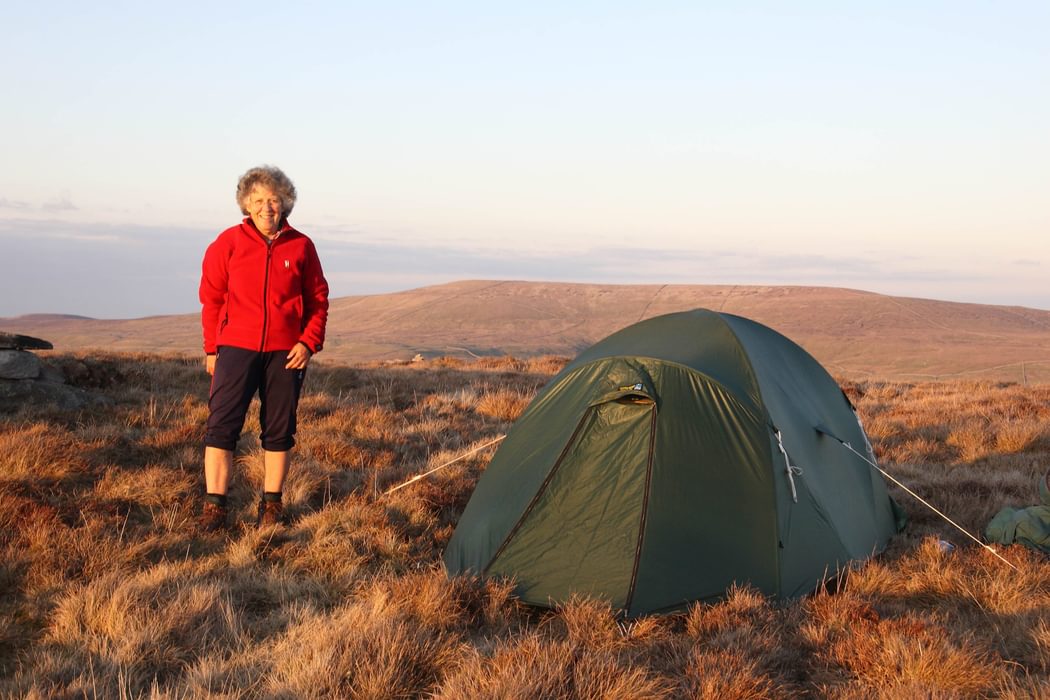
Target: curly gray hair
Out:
[267,176]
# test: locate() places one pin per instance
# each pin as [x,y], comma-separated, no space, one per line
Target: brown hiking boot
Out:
[213,518]
[270,513]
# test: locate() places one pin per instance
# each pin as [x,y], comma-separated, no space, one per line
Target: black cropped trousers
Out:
[239,375]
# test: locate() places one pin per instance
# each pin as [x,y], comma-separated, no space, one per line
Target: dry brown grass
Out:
[105,591]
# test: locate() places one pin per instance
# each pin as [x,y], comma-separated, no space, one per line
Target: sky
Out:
[895,147]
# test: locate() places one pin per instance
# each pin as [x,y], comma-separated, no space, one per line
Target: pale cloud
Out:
[359,267]
[88,237]
[108,270]
[17,205]
[61,203]
[52,229]
[20,228]
[633,265]
[99,270]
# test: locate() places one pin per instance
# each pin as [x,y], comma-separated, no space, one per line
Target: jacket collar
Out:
[285,228]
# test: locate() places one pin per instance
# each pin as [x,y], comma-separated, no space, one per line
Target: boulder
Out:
[18,364]
[27,383]
[13,341]
[89,373]
[17,394]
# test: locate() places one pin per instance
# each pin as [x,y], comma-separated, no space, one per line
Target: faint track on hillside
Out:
[1031,320]
[730,293]
[956,329]
[917,315]
[650,303]
[1020,365]
[445,299]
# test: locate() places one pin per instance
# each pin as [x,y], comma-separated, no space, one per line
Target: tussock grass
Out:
[106,591]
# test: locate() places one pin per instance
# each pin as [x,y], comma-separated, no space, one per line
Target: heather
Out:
[107,591]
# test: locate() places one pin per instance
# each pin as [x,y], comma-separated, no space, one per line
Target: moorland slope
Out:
[108,591]
[853,333]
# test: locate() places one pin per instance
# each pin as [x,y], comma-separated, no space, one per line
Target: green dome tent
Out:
[671,459]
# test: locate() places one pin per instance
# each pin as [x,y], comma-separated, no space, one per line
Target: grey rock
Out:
[88,373]
[51,374]
[13,341]
[19,393]
[19,364]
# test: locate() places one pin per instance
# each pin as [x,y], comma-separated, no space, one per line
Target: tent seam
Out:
[768,419]
[645,511]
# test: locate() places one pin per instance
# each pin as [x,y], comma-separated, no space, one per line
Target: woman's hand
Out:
[298,357]
[209,364]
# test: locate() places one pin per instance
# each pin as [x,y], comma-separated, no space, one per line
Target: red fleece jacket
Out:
[263,295]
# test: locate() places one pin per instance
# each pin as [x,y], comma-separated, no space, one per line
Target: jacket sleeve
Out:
[315,301]
[213,292]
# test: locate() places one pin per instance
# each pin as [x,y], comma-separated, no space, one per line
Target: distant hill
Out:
[853,333]
[52,317]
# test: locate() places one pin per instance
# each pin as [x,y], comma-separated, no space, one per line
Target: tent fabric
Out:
[648,473]
[1028,526]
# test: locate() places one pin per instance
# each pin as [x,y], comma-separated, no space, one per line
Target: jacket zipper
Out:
[266,293]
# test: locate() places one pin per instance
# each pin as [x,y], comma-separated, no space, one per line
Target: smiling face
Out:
[264,206]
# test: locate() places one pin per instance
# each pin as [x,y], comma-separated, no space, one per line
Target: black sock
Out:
[272,496]
[218,499]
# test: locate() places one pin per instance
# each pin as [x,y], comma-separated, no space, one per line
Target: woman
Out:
[265,305]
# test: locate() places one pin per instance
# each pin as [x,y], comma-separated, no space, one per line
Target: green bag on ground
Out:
[1028,526]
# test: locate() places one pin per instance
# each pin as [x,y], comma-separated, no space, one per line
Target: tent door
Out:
[581,532]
